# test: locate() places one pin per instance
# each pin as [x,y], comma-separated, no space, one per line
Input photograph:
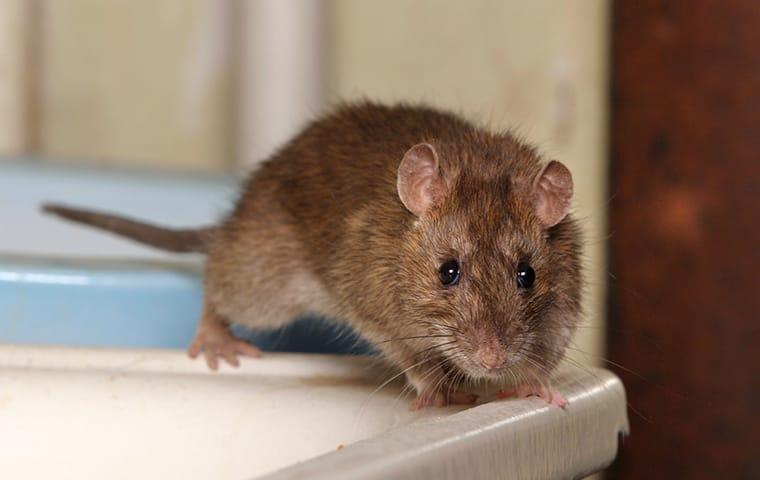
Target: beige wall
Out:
[135,82]
[538,67]
[14,77]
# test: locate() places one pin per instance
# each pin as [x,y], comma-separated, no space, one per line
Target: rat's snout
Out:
[491,355]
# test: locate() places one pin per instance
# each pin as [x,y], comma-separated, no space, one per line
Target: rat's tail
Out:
[173,240]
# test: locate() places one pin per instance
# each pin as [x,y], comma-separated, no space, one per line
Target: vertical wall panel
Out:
[686,177]
[282,73]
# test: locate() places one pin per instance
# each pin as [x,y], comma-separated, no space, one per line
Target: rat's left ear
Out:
[553,189]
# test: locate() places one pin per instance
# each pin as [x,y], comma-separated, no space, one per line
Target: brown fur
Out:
[320,228]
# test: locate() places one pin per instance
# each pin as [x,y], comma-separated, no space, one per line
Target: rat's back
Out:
[343,164]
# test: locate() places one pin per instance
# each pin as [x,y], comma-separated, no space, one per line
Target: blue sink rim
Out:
[160,281]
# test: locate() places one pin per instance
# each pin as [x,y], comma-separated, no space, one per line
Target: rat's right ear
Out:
[553,190]
[419,181]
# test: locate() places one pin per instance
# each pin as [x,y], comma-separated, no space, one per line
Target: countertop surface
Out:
[90,413]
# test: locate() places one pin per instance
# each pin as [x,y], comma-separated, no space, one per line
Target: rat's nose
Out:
[491,356]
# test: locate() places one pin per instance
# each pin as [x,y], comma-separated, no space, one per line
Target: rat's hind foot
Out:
[442,398]
[215,340]
[548,394]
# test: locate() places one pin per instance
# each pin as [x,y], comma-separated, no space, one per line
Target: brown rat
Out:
[447,246]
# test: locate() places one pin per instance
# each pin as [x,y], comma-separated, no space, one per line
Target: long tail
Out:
[173,240]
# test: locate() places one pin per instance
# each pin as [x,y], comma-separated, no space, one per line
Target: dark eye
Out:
[525,275]
[449,273]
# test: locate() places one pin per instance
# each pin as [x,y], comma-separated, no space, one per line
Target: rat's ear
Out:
[553,190]
[419,181]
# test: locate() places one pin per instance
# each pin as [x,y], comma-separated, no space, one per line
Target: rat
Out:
[449,247]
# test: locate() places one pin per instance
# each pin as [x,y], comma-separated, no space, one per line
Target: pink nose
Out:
[491,356]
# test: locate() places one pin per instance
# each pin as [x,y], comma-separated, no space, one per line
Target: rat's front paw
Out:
[548,394]
[217,341]
[442,398]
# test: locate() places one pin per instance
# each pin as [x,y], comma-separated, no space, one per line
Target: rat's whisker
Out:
[413,338]
[402,372]
[426,350]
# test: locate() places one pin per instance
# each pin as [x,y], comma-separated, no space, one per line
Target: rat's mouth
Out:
[497,360]
[471,369]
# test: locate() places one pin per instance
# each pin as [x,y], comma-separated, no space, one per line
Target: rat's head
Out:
[492,260]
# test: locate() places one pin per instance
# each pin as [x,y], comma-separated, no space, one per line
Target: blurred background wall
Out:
[684,303]
[125,82]
[15,77]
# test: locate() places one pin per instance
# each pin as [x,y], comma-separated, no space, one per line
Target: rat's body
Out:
[356,218]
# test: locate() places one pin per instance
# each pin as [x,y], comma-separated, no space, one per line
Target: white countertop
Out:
[110,413]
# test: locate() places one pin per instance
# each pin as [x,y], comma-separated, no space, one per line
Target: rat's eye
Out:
[525,275]
[449,273]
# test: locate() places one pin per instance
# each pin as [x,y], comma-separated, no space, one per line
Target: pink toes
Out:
[442,399]
[549,395]
[195,348]
[246,349]
[215,345]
